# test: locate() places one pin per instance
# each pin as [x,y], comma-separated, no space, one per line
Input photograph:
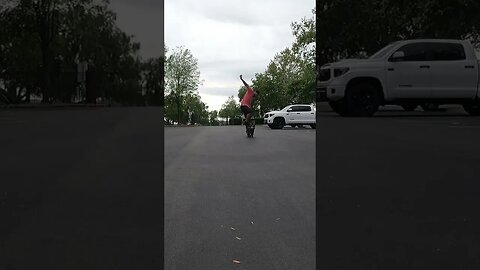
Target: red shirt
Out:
[248,98]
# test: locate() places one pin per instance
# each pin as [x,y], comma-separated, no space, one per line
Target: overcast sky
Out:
[228,38]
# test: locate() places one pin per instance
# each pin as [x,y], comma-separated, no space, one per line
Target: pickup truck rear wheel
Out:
[313,126]
[339,107]
[472,108]
[278,123]
[428,107]
[363,99]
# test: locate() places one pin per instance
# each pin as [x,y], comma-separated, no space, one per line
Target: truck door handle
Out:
[469,67]
[391,69]
[298,113]
[424,66]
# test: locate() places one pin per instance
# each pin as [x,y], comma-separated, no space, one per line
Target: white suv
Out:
[293,115]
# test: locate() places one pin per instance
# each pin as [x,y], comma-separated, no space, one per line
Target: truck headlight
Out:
[337,72]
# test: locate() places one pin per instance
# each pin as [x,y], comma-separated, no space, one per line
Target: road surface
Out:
[220,185]
[399,191]
[81,189]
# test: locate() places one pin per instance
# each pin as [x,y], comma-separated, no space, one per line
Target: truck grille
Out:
[324,75]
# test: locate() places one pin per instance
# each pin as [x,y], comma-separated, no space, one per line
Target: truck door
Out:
[307,115]
[453,75]
[409,76]
[294,114]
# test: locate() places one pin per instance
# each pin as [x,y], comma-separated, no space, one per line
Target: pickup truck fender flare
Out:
[373,80]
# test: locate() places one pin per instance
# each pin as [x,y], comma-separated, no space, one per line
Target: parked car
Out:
[292,115]
[409,73]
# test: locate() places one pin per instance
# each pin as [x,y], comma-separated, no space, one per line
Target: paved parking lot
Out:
[400,190]
[232,198]
[396,191]
[81,188]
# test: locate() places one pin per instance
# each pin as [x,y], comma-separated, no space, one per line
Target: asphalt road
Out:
[398,191]
[220,185]
[81,189]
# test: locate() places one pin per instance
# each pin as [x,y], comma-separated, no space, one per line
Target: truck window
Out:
[414,52]
[446,51]
[306,108]
[294,109]
[382,52]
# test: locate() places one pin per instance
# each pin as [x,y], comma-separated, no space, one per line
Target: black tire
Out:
[409,107]
[313,126]
[363,99]
[271,126]
[472,108]
[278,123]
[428,107]
[339,107]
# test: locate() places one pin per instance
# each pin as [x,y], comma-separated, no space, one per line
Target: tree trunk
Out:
[46,72]
[177,102]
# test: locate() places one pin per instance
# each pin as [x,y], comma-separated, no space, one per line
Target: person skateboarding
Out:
[246,105]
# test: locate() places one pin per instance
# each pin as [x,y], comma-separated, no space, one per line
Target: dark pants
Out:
[245,110]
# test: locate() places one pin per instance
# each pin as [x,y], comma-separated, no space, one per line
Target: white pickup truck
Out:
[410,73]
[292,115]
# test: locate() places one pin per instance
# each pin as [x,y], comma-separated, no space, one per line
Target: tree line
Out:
[42,42]
[289,77]
[353,29]
[183,103]
[357,29]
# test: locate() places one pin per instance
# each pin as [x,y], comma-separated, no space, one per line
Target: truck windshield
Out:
[383,51]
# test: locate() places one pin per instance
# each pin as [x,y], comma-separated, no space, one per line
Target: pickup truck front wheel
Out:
[278,123]
[363,99]
[472,108]
[409,107]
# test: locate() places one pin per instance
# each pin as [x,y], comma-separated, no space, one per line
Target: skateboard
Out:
[250,128]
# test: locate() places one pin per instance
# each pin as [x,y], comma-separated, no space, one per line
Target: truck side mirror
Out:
[397,56]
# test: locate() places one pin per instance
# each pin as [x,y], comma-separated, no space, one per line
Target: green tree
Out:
[182,78]
[290,75]
[43,39]
[213,118]
[230,109]
[153,71]
[199,109]
[373,24]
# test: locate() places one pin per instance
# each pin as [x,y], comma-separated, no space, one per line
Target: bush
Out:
[235,121]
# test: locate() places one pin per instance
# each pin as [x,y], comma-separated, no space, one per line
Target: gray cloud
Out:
[231,37]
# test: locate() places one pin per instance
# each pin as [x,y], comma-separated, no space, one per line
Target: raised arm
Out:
[246,84]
